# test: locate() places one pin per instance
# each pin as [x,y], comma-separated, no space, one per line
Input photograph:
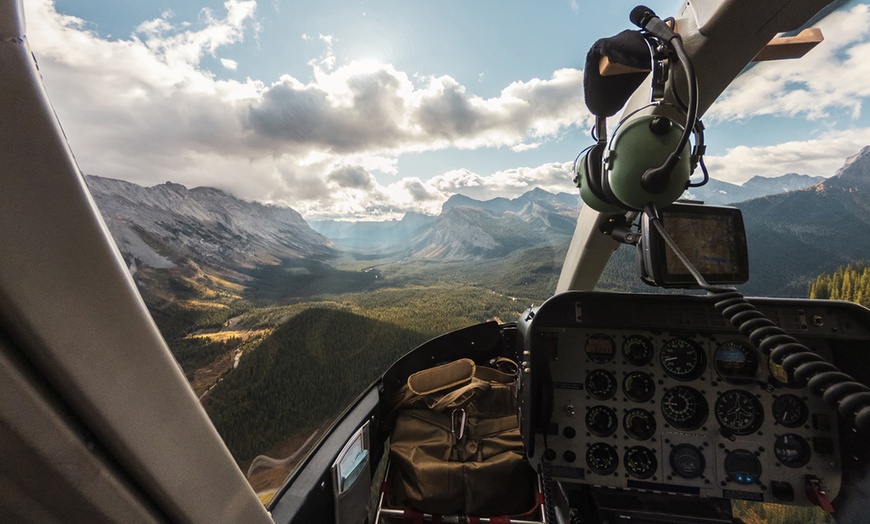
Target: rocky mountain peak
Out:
[161,225]
[855,172]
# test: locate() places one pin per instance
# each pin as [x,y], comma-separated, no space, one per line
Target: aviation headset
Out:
[648,159]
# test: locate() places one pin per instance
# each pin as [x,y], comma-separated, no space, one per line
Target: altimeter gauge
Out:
[684,408]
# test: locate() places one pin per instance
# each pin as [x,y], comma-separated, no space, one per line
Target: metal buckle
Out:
[457,427]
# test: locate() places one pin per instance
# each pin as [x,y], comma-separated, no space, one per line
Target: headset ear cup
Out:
[590,173]
[625,176]
[594,169]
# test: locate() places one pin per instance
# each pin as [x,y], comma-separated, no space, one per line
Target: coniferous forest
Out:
[850,282]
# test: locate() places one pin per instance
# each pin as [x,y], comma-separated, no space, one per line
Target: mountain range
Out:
[476,229]
[164,225]
[795,232]
[717,192]
[465,229]
[470,229]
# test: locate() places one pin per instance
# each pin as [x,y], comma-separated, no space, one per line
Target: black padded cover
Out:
[605,95]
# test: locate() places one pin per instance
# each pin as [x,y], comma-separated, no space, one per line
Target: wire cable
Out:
[692,82]
[547,480]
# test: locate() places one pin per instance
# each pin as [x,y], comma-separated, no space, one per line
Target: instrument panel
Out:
[660,394]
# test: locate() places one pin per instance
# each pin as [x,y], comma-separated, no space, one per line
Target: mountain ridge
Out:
[161,225]
[814,226]
[718,192]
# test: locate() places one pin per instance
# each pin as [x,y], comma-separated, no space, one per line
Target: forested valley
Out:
[268,370]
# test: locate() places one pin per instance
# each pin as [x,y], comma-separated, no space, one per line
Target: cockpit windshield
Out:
[305,191]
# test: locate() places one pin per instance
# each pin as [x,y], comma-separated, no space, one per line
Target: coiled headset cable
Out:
[790,361]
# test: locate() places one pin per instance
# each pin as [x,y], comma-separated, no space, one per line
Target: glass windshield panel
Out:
[305,191]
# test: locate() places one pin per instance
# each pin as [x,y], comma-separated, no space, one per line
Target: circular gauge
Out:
[687,461]
[600,348]
[790,411]
[683,359]
[602,458]
[638,386]
[742,466]
[640,462]
[600,384]
[601,421]
[739,412]
[639,424]
[684,408]
[736,362]
[792,450]
[637,350]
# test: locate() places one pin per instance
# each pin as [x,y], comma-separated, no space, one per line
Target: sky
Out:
[368,109]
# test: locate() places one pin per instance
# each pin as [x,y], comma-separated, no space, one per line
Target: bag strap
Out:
[494,375]
[442,377]
[458,397]
[461,376]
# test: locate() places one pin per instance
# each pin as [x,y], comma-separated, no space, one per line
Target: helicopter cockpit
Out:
[719,396]
[667,407]
[674,406]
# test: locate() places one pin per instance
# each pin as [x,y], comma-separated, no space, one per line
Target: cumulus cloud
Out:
[354,177]
[144,108]
[554,177]
[369,106]
[833,76]
[820,156]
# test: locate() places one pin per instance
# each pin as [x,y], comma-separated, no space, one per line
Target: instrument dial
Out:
[792,450]
[600,348]
[640,462]
[687,461]
[739,412]
[790,411]
[638,386]
[742,466]
[601,421]
[735,362]
[684,408]
[639,424]
[683,359]
[637,350]
[600,384]
[602,458]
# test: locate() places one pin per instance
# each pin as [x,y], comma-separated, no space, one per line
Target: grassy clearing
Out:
[224,336]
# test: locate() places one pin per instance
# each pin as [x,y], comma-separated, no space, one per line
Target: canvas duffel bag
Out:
[456,446]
